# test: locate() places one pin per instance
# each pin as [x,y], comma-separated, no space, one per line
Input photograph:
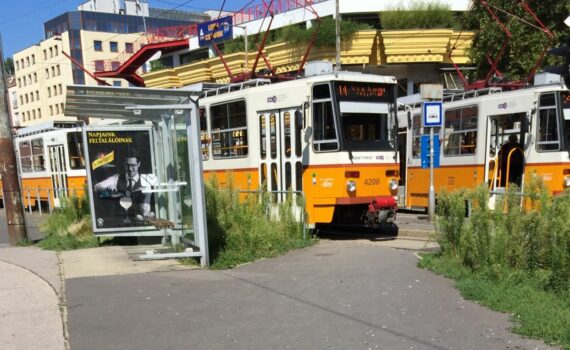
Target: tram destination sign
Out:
[365,92]
[214,31]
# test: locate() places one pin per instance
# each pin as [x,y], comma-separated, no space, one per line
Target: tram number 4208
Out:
[372,182]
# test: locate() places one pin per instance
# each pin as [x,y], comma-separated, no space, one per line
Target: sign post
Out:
[432,116]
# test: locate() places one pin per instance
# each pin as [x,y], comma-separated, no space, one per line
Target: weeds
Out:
[514,259]
[69,227]
[245,229]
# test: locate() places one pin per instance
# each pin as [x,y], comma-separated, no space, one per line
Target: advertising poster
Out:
[121,177]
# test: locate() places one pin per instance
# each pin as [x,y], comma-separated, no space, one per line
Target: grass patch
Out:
[536,312]
[247,227]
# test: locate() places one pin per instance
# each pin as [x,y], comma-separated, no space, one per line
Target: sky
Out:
[22,21]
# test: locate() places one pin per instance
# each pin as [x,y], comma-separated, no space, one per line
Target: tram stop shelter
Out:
[144,164]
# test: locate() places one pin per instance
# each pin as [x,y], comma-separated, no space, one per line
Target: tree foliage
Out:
[9,66]
[527,41]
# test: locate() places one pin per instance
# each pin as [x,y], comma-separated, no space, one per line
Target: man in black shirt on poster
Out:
[128,188]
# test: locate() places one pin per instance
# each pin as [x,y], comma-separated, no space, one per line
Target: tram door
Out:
[505,154]
[58,171]
[281,149]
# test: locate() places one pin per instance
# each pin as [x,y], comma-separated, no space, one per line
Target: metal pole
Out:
[12,194]
[337,22]
[431,194]
[246,55]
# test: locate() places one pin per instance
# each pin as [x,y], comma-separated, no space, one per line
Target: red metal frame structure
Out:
[171,39]
[493,70]
[269,10]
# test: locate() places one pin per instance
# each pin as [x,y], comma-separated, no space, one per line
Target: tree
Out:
[526,43]
[9,66]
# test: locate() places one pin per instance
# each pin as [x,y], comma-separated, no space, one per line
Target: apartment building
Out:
[94,37]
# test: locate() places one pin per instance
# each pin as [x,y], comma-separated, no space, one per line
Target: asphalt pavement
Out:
[348,293]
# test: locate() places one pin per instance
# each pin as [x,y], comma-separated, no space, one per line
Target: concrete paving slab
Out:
[29,311]
[112,260]
[42,262]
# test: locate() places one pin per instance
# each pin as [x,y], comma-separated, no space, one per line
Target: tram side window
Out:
[38,155]
[205,140]
[25,152]
[75,150]
[460,131]
[324,130]
[229,130]
[548,139]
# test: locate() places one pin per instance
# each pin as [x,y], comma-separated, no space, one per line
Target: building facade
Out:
[92,38]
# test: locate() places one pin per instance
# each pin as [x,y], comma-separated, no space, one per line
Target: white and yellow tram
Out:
[333,138]
[50,162]
[474,142]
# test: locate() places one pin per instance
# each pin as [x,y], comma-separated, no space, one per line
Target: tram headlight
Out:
[393,185]
[351,186]
[566,182]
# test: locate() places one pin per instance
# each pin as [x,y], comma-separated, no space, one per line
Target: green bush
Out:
[299,35]
[246,227]
[531,236]
[420,15]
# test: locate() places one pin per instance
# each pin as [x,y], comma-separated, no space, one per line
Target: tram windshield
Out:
[365,118]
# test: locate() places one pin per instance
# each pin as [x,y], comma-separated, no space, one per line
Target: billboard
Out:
[217,30]
[120,176]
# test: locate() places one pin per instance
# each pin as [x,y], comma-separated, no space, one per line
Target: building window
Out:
[34,114]
[33,59]
[27,61]
[58,70]
[99,65]
[37,95]
[45,55]
[56,50]
[129,47]
[47,73]
[35,77]
[32,97]
[50,110]
[113,46]
[17,65]
[53,71]
[98,45]
[21,100]
[60,89]
[115,65]
[49,91]
[50,52]
[19,82]
[56,109]
[62,109]
[39,113]
[27,100]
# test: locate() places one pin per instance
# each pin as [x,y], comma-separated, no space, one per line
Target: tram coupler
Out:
[381,211]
